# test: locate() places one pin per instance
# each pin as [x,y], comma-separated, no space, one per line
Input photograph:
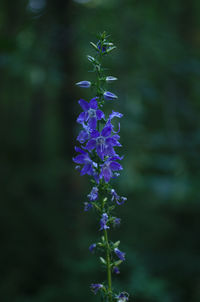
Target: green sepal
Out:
[103,260]
[116,263]
[116,244]
[110,49]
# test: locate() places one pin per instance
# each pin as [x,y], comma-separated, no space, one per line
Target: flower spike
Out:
[97,158]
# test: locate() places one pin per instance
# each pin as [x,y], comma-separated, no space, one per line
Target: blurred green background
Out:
[44,233]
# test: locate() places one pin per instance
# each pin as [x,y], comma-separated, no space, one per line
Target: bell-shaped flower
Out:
[93,194]
[108,167]
[103,142]
[119,254]
[84,159]
[91,114]
[122,297]
[103,222]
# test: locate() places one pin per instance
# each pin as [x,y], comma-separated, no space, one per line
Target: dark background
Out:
[44,233]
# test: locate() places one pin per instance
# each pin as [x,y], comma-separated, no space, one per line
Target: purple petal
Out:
[83,136]
[91,144]
[118,129]
[114,166]
[80,159]
[120,254]
[93,103]
[115,114]
[106,131]
[116,158]
[100,114]
[107,174]
[86,169]
[110,151]
[92,123]
[116,270]
[77,149]
[112,141]
[87,206]
[95,134]
[100,151]
[85,105]
[81,118]
[116,136]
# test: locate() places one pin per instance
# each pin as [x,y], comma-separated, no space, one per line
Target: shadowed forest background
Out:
[44,233]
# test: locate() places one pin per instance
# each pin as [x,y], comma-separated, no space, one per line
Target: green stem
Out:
[108,267]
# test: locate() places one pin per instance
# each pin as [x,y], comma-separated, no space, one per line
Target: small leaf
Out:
[91,59]
[94,45]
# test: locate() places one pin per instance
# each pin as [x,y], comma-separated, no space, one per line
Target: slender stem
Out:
[108,266]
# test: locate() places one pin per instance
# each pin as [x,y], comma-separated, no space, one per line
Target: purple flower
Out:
[114,114]
[87,206]
[84,84]
[92,247]
[122,297]
[119,200]
[119,254]
[109,96]
[90,113]
[85,160]
[93,194]
[96,286]
[116,222]
[103,142]
[116,270]
[108,167]
[103,222]
[84,134]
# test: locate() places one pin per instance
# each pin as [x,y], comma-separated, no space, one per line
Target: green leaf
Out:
[94,45]
[116,244]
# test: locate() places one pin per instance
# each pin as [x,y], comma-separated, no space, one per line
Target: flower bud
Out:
[109,96]
[110,79]
[84,84]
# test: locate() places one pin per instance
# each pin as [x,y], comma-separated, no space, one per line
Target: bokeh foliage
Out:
[44,233]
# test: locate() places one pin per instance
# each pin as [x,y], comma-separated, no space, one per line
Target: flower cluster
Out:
[98,157]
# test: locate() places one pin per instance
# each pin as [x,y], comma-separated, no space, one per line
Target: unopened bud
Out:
[84,84]
[110,79]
